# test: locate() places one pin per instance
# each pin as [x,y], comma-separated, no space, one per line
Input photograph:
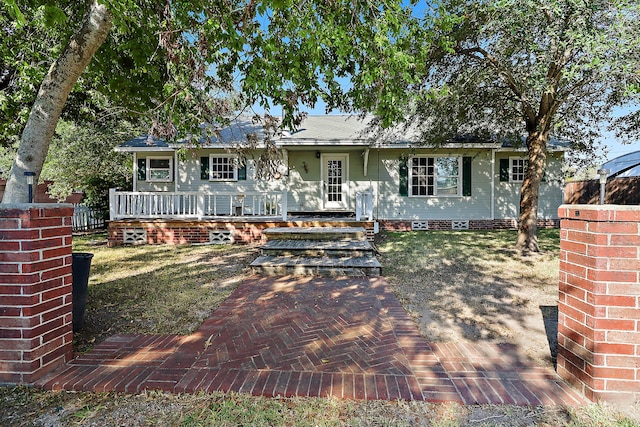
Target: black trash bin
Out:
[80,266]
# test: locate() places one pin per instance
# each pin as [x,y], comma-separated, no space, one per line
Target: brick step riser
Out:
[300,270]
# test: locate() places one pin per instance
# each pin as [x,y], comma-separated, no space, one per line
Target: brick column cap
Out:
[12,210]
[609,213]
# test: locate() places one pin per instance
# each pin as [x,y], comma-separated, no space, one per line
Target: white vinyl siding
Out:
[189,177]
[304,184]
[391,205]
[507,193]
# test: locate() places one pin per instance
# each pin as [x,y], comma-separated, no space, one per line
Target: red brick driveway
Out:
[348,338]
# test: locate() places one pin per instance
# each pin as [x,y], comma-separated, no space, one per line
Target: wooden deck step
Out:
[315,233]
[317,251]
[316,266]
[318,248]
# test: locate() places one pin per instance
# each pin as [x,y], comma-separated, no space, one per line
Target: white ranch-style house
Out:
[333,172]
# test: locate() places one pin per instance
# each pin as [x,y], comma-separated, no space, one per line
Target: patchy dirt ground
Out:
[157,289]
[474,287]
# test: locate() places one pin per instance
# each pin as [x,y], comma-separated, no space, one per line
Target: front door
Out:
[335,180]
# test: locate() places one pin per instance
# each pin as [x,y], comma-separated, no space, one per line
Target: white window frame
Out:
[517,162]
[150,169]
[232,159]
[435,177]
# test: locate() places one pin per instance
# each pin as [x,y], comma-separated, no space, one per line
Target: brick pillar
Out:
[35,290]
[599,301]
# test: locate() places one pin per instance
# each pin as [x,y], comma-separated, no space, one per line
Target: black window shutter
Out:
[242,172]
[466,175]
[404,178]
[204,168]
[142,169]
[504,170]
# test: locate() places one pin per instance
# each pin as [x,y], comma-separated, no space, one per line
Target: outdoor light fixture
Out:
[30,178]
[604,173]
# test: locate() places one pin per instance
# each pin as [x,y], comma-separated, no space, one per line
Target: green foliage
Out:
[82,158]
[350,54]
[508,68]
[32,36]
[177,63]
[125,71]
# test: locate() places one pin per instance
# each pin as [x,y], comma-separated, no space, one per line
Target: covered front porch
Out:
[223,217]
[220,205]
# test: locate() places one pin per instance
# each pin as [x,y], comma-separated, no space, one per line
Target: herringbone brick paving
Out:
[296,336]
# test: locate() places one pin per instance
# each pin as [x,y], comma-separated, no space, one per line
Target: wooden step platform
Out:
[315,233]
[316,266]
[317,251]
[316,248]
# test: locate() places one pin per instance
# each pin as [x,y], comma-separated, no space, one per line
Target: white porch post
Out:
[200,205]
[285,160]
[366,161]
[135,171]
[176,172]
[493,184]
[112,204]
[284,204]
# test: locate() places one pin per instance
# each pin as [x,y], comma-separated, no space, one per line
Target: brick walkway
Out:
[348,338]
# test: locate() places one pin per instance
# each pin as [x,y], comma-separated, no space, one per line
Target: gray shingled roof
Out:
[330,128]
[327,130]
[143,142]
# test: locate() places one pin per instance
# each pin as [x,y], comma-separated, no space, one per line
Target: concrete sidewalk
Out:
[299,336]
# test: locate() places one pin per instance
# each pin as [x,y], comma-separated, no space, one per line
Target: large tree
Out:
[175,62]
[525,68]
[518,70]
[45,49]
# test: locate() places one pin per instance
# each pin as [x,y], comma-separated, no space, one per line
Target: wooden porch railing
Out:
[136,204]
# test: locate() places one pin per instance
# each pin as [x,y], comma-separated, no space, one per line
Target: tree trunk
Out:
[528,220]
[51,98]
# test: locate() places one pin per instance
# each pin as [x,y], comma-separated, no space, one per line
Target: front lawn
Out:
[159,289]
[472,285]
[457,285]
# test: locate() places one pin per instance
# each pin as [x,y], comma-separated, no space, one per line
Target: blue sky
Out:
[616,148]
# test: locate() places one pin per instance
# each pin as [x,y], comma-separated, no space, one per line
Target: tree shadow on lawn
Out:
[474,286]
[158,289]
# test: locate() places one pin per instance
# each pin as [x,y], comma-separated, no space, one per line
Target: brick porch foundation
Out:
[35,290]
[473,224]
[599,301]
[178,232]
